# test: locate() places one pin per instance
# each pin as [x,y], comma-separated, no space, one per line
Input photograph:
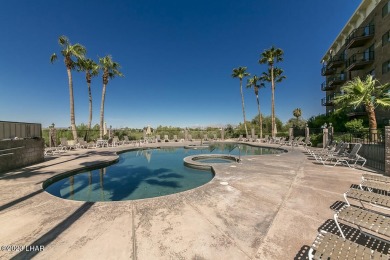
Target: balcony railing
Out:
[326,87]
[336,80]
[360,36]
[326,71]
[360,60]
[335,62]
[328,100]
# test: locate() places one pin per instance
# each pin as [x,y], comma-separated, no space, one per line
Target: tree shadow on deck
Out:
[52,234]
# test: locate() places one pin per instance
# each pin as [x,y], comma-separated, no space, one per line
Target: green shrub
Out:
[354,126]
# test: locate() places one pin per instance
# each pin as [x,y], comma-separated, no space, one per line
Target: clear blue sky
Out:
[177,57]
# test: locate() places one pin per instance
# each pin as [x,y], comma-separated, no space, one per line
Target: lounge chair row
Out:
[277,140]
[337,153]
[372,222]
[68,145]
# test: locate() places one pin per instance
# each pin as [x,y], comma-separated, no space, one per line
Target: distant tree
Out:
[110,70]
[241,73]
[300,123]
[270,57]
[91,69]
[252,82]
[267,124]
[69,51]
[337,119]
[297,113]
[369,93]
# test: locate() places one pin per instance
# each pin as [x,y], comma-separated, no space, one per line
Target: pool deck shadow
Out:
[266,207]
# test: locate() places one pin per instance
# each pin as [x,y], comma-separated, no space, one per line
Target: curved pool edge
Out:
[191,161]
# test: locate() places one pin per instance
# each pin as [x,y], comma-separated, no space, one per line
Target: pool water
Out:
[142,174]
[214,160]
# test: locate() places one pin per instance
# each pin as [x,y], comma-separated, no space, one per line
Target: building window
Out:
[386,38]
[386,9]
[386,67]
[369,53]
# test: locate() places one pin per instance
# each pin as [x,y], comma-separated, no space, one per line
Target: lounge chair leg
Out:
[345,197]
[337,224]
[310,254]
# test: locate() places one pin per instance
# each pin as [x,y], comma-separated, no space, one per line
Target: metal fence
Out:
[373,146]
[11,130]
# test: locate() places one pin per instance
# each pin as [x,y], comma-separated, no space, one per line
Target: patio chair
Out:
[82,144]
[166,139]
[372,198]
[380,184]
[331,155]
[330,246]
[158,138]
[65,145]
[373,177]
[175,138]
[331,150]
[328,145]
[255,138]
[352,157]
[205,137]
[115,141]
[51,150]
[126,140]
[306,143]
[369,220]
[298,141]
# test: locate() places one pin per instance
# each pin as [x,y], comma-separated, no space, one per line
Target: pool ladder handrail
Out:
[239,151]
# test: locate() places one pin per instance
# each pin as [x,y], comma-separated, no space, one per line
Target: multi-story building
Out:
[361,48]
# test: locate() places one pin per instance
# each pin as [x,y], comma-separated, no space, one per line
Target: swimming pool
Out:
[142,174]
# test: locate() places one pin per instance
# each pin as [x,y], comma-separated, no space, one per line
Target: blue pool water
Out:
[143,174]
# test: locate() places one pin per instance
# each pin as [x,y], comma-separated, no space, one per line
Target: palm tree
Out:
[368,93]
[277,77]
[240,73]
[91,69]
[253,82]
[69,51]
[271,56]
[297,113]
[110,70]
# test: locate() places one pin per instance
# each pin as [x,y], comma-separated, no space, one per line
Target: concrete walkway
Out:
[271,208]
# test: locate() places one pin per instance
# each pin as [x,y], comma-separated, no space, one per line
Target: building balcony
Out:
[328,100]
[338,79]
[336,62]
[360,36]
[325,86]
[360,60]
[325,71]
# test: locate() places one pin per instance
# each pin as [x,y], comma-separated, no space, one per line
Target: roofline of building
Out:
[360,14]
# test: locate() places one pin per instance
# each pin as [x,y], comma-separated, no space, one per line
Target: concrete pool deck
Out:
[267,207]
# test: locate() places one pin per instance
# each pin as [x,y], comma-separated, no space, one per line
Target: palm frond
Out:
[240,72]
[53,58]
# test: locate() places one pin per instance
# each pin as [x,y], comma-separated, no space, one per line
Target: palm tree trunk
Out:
[260,119]
[272,103]
[372,122]
[71,101]
[102,111]
[90,106]
[243,108]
